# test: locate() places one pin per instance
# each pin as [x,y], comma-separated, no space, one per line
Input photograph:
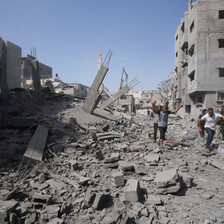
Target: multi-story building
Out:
[13,63]
[199,56]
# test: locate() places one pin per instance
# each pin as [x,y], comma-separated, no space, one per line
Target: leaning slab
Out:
[116,96]
[91,100]
[36,146]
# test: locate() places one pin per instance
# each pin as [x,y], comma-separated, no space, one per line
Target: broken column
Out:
[91,100]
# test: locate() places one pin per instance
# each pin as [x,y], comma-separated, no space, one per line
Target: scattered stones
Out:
[90,175]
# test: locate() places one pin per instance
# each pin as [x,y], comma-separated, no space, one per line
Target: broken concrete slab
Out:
[91,100]
[100,200]
[115,157]
[152,158]
[81,179]
[217,163]
[167,177]
[153,200]
[6,207]
[35,149]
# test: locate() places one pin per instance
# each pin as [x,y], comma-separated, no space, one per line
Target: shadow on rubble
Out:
[20,116]
[183,190]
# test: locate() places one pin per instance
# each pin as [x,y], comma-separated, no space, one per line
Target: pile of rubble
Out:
[104,170]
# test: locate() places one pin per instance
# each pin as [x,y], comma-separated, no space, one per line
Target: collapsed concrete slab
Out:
[91,100]
[167,181]
[116,96]
[35,149]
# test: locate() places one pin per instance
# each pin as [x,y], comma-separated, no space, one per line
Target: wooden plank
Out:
[37,144]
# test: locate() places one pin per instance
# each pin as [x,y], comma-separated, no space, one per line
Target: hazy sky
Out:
[70,34]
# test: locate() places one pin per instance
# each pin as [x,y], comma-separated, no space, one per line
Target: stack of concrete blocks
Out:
[167,182]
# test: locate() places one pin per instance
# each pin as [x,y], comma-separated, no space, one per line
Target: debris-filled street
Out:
[103,167]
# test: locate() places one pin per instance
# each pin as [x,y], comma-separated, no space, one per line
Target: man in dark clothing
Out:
[202,133]
[155,124]
[163,119]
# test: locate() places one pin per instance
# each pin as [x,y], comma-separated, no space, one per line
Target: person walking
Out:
[210,119]
[202,134]
[163,113]
[155,124]
[220,125]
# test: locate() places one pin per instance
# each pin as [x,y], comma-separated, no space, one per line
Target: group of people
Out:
[208,122]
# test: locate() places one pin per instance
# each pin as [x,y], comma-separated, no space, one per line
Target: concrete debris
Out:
[117,179]
[167,182]
[103,167]
[132,190]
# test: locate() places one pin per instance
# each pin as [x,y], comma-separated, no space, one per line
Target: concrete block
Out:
[113,158]
[99,155]
[152,158]
[40,198]
[154,200]
[165,178]
[132,190]
[73,165]
[52,211]
[126,166]
[118,179]
[100,200]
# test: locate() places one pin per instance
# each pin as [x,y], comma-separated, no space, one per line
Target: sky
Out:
[70,34]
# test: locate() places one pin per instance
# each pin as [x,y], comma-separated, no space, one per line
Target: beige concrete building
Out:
[199,57]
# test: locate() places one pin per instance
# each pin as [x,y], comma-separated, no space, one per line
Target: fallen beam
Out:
[35,149]
[116,96]
[91,100]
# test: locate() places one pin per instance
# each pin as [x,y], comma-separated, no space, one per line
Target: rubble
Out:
[105,169]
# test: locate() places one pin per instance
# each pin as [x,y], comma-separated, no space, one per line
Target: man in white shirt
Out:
[210,119]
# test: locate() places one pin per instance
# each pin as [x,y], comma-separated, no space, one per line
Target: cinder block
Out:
[117,179]
[99,155]
[132,191]
[73,165]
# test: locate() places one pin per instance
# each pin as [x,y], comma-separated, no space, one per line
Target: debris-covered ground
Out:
[104,168]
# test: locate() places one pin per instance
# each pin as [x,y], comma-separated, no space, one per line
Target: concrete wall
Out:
[26,71]
[13,65]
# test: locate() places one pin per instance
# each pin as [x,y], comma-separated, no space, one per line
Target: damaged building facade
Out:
[13,63]
[199,57]
[26,71]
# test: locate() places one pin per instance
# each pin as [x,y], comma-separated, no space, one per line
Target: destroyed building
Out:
[76,89]
[199,57]
[26,71]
